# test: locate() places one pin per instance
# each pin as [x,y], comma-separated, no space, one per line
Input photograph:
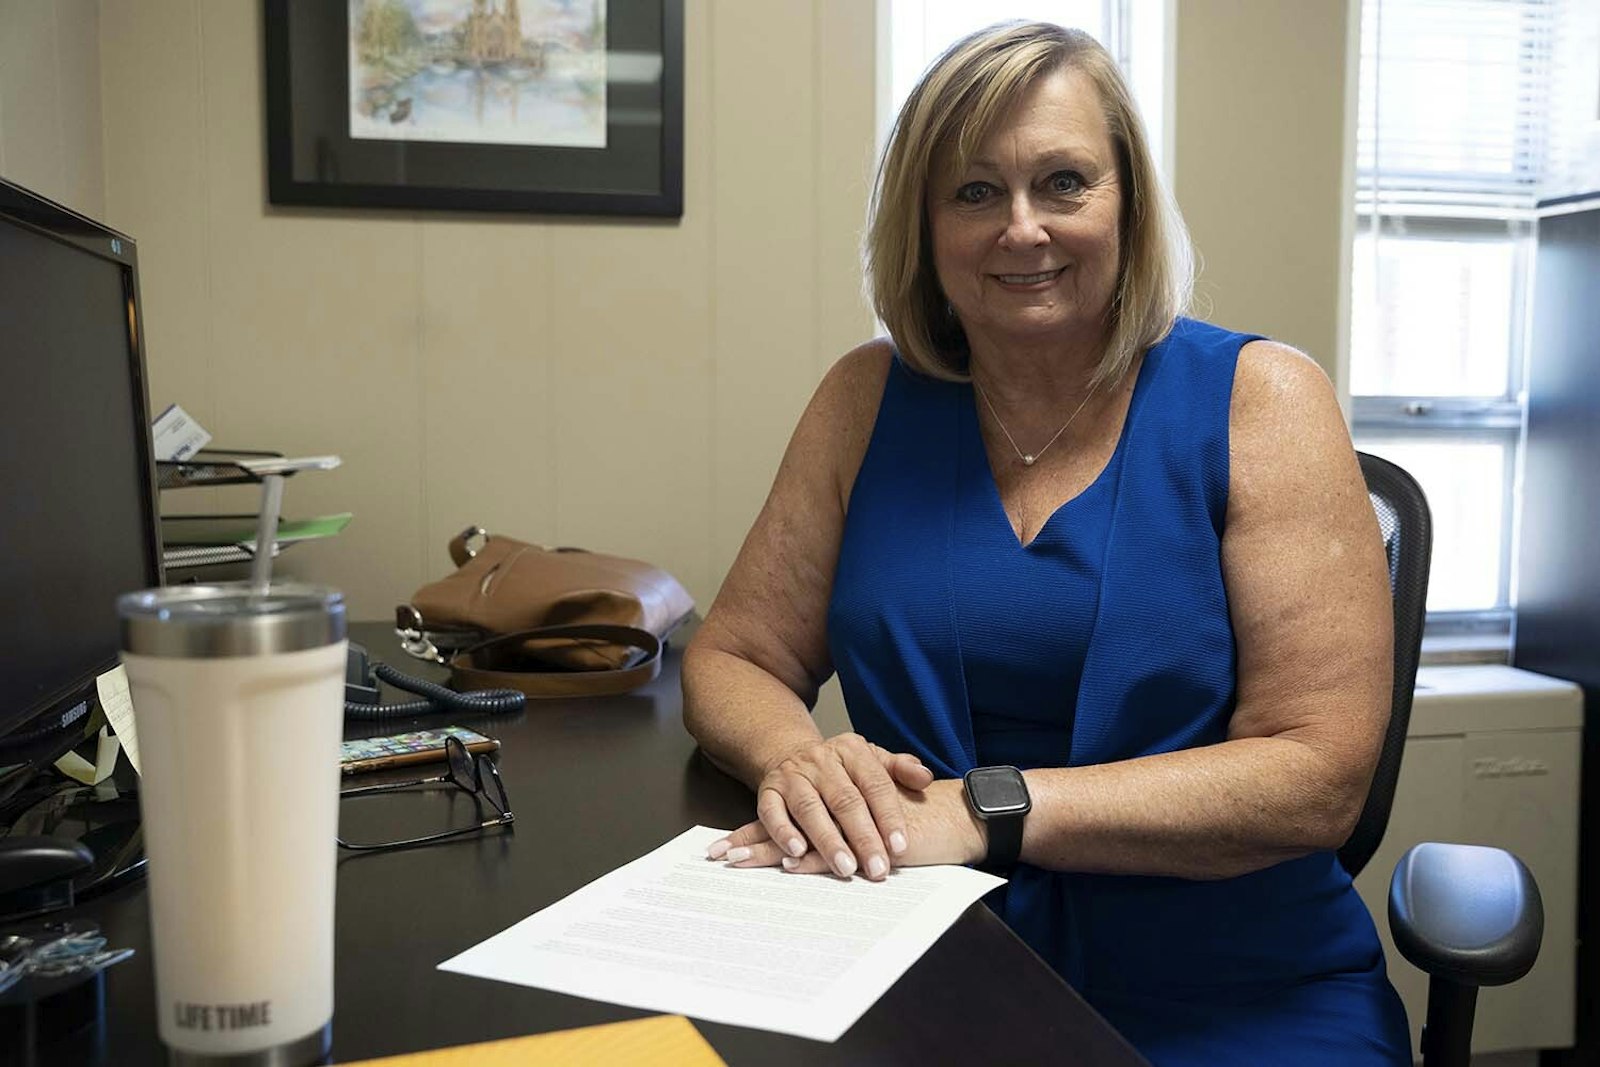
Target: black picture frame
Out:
[313,161]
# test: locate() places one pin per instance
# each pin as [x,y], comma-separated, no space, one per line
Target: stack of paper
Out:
[672,931]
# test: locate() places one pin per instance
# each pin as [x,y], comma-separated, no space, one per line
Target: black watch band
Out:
[999,796]
[1005,843]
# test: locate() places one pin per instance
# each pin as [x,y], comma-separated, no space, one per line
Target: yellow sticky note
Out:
[105,761]
[118,705]
[661,1041]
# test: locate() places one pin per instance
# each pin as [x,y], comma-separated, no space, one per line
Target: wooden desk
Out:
[595,783]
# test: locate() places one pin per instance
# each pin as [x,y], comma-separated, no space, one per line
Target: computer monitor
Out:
[78,514]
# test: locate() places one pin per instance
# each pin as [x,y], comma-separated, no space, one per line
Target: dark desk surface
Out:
[595,783]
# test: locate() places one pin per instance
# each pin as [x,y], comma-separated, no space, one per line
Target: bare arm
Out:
[1309,599]
[751,674]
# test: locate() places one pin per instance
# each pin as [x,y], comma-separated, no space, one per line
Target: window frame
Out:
[1503,418]
[1439,205]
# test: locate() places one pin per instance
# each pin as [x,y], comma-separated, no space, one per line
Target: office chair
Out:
[1466,915]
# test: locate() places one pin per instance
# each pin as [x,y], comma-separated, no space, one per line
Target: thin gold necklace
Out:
[1030,458]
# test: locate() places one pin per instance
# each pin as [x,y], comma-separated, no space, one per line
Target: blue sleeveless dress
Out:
[1106,638]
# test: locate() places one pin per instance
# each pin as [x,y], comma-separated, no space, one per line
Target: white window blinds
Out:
[1477,103]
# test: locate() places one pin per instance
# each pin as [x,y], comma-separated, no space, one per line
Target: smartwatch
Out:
[999,796]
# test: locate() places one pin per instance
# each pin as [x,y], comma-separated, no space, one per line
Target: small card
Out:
[282,465]
[118,705]
[176,436]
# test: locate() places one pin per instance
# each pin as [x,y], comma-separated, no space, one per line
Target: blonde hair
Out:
[957,104]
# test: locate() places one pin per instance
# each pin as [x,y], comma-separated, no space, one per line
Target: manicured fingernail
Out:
[717,849]
[797,847]
[844,863]
[736,854]
[897,842]
[790,863]
[876,866]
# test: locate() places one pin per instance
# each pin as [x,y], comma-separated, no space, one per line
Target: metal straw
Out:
[266,533]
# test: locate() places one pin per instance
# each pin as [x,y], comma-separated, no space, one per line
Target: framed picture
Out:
[549,106]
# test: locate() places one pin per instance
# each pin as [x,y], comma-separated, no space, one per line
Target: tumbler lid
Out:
[230,619]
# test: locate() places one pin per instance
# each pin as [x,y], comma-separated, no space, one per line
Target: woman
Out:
[1057,527]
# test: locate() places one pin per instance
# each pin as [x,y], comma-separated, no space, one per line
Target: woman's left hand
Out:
[940,828]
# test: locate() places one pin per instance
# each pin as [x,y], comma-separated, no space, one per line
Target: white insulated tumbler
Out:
[238,697]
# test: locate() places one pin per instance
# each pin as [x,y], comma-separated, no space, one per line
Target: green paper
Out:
[241,529]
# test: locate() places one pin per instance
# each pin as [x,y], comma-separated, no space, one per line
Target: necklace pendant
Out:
[1027,461]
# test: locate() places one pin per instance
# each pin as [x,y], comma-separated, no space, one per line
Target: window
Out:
[1470,113]
[1133,31]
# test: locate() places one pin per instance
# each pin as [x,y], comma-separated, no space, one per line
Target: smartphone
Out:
[415,746]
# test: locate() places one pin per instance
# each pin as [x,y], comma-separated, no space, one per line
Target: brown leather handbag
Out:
[551,622]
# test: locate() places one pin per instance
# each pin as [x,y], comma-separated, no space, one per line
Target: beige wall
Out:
[1260,133]
[616,384]
[622,385]
[50,100]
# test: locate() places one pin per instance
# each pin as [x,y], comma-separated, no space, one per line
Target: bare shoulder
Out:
[1303,562]
[845,407]
[772,609]
[1264,360]
[1284,420]
[849,393]
[864,366]
[1275,382]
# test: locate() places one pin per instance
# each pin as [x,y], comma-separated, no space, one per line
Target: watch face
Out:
[998,790]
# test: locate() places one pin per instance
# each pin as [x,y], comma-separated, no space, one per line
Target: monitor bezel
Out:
[29,210]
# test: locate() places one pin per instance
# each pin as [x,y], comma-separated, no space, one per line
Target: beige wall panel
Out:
[1260,131]
[156,190]
[323,358]
[78,68]
[486,439]
[314,320]
[845,77]
[630,346]
[631,361]
[764,250]
[30,98]
[637,368]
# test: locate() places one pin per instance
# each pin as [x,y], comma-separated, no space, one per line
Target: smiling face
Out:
[1026,237]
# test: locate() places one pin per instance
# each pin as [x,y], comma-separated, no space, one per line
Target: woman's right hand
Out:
[839,797]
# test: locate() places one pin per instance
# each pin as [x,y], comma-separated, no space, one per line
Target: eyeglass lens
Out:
[462,771]
[490,785]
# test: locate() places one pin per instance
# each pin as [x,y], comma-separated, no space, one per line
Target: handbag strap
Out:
[545,683]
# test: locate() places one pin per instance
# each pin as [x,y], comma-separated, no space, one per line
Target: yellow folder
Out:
[660,1041]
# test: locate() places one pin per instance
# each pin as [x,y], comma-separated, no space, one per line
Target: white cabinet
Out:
[1492,759]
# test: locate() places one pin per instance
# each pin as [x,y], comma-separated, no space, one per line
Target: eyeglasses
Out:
[477,775]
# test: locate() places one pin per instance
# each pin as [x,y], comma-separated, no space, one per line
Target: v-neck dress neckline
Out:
[972,429]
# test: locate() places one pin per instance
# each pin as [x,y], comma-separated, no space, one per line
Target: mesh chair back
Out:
[1407,530]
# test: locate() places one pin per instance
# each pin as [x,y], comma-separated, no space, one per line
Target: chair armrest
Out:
[1466,913]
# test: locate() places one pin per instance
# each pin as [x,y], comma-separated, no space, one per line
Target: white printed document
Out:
[674,932]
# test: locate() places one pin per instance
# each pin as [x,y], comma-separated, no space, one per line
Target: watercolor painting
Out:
[479,71]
